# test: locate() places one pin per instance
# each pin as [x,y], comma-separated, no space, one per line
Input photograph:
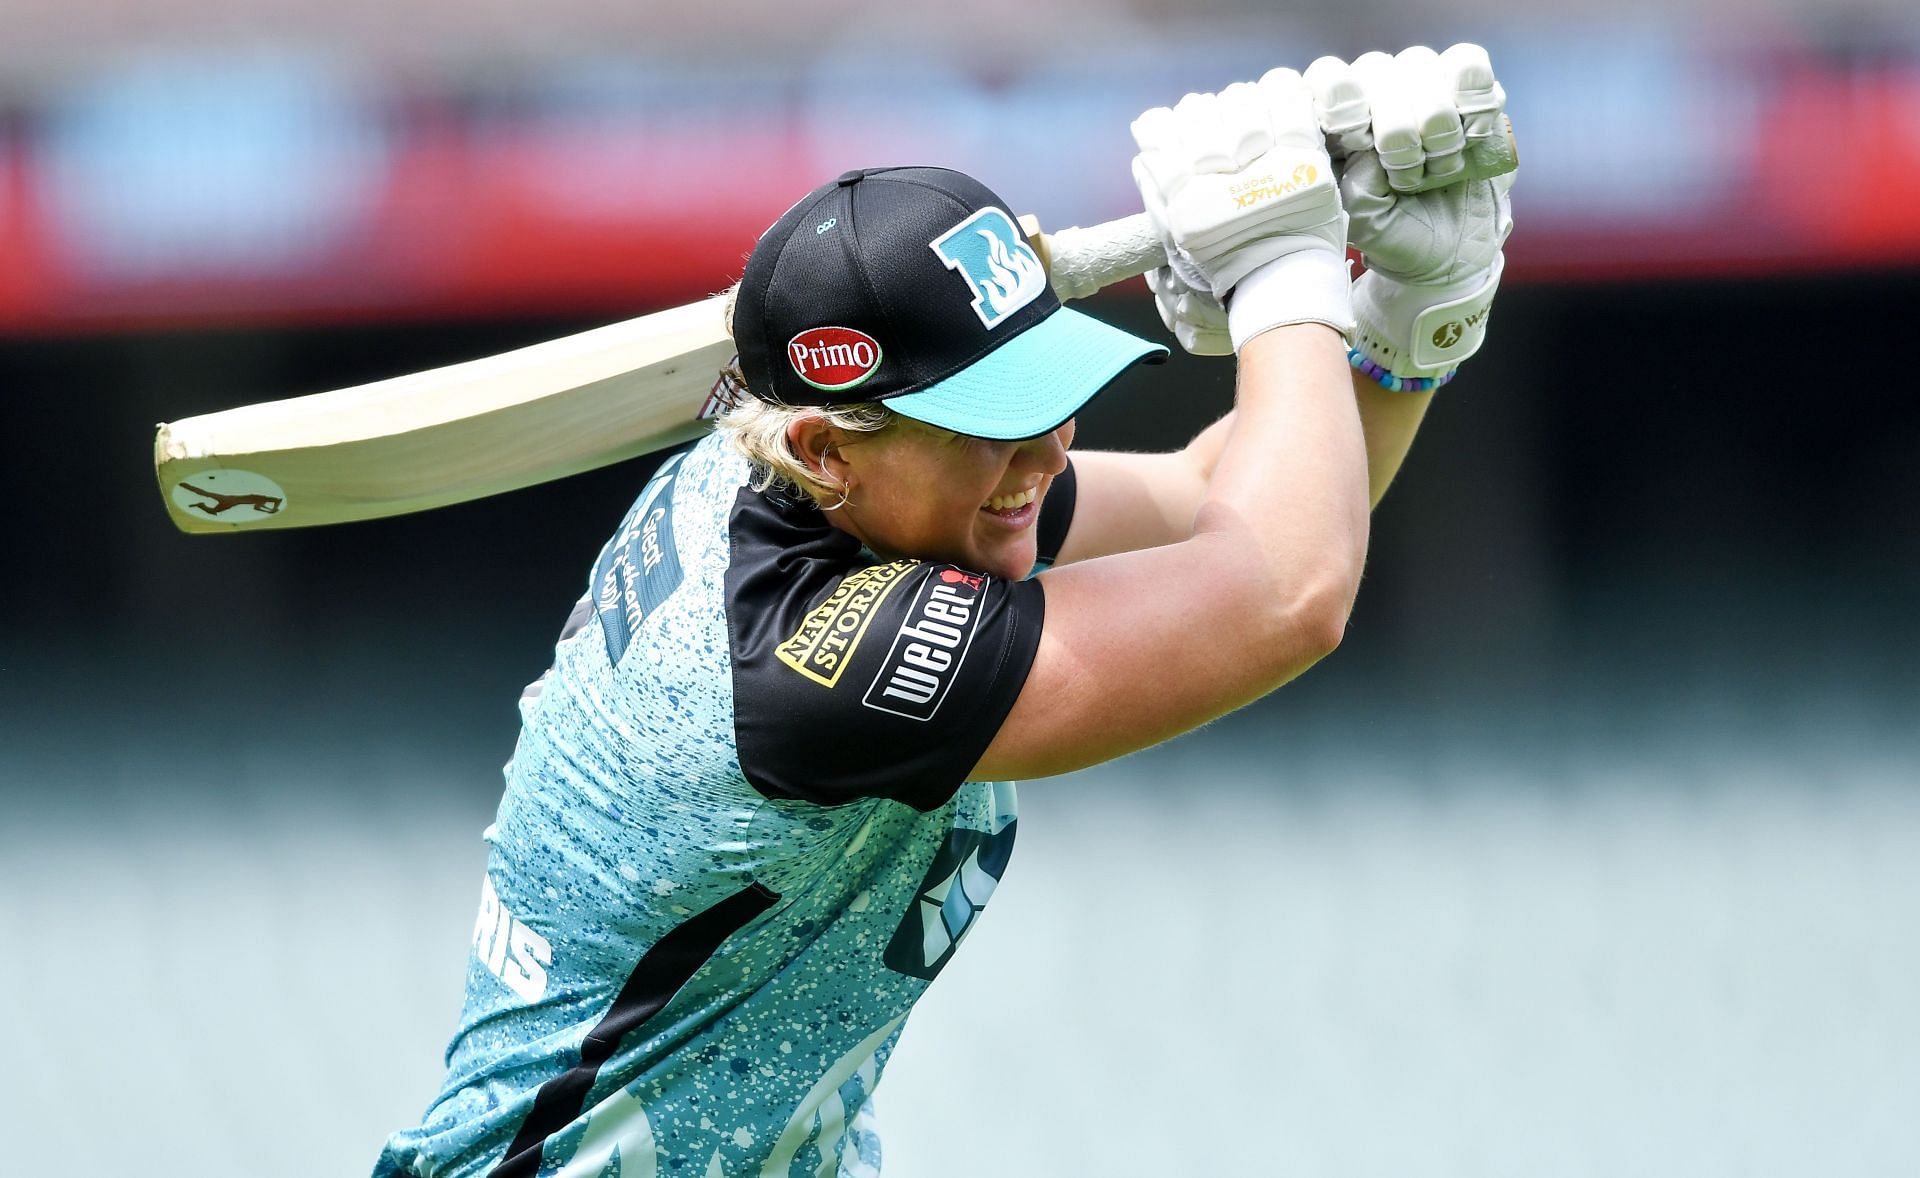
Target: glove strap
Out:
[1423,331]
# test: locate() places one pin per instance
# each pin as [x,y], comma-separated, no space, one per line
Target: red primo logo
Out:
[956,577]
[833,358]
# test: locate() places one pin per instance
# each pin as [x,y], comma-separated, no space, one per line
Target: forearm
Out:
[1134,501]
[1202,454]
[1390,421]
[1127,502]
[1290,479]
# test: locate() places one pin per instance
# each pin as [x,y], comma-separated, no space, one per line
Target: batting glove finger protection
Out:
[1340,103]
[1194,317]
[1431,119]
[1482,104]
[1239,179]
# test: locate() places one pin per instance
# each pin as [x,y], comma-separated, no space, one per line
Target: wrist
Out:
[1387,380]
[1308,286]
[1423,331]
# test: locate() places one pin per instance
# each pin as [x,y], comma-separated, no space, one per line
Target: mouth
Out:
[1016,508]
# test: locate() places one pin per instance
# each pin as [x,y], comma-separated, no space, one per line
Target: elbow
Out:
[1292,634]
[1309,624]
[1291,608]
[1320,621]
[1329,629]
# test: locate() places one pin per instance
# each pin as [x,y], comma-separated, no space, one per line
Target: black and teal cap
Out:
[916,288]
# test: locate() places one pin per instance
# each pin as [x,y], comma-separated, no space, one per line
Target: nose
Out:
[1049,450]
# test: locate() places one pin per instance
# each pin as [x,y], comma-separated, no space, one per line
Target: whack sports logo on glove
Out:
[1246,196]
[1239,181]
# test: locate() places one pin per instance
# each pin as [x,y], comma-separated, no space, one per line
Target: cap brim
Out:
[1032,383]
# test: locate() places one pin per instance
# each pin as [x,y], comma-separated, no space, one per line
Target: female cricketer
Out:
[765,789]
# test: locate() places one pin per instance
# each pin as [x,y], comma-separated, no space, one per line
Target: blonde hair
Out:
[758,429]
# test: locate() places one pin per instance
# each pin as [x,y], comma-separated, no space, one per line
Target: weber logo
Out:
[929,647]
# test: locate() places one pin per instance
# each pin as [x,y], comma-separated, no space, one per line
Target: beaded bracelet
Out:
[1397,384]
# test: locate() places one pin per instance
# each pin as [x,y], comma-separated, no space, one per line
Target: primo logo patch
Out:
[639,569]
[833,358]
[987,250]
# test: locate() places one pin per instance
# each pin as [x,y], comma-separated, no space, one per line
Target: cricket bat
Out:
[496,424]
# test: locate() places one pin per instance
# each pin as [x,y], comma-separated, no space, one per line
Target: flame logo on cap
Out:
[1001,268]
[1016,278]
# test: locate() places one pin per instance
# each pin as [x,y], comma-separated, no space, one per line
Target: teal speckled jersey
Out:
[736,845]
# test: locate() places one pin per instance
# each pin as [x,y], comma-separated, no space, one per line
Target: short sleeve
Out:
[1056,516]
[854,679]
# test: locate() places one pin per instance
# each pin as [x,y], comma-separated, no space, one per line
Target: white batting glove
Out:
[1430,117]
[1433,257]
[1194,317]
[1239,181]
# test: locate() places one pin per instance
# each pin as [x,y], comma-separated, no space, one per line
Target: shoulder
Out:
[858,678]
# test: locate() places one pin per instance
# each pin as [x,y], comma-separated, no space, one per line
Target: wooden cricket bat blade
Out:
[447,435]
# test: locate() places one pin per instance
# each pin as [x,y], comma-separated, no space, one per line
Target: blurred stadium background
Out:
[1596,850]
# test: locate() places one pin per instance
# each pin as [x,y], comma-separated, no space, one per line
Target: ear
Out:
[818,445]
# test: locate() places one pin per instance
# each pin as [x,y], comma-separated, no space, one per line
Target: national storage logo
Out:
[823,645]
[930,646]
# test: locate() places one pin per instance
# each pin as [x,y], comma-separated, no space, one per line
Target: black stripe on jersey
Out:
[655,979]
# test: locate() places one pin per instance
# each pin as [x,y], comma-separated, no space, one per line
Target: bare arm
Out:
[1125,502]
[1144,645]
[1390,420]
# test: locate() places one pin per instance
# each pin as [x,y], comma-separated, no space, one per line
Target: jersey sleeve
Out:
[1056,516]
[873,680]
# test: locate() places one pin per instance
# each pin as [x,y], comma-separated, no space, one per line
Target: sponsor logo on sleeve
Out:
[823,645]
[929,647]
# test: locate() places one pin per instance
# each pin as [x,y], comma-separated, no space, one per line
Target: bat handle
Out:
[1081,261]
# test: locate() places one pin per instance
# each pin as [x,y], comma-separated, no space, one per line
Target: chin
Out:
[1011,564]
